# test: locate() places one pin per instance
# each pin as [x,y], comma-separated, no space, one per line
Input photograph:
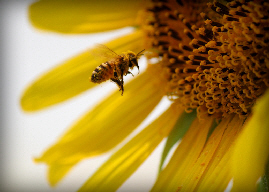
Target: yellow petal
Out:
[107,125]
[57,171]
[252,148]
[72,77]
[125,161]
[194,174]
[80,16]
[185,155]
[218,172]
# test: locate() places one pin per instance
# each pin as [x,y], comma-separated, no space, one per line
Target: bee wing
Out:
[102,52]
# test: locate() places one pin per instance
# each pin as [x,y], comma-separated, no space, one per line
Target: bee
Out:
[115,67]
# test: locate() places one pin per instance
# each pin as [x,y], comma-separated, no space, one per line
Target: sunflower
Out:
[210,59]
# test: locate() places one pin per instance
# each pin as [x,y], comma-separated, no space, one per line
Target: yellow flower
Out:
[210,58]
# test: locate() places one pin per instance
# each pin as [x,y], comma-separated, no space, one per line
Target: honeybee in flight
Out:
[115,67]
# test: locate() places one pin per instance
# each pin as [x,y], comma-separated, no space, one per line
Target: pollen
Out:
[216,55]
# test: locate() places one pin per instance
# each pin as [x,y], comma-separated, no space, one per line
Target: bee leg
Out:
[122,74]
[138,68]
[130,73]
[119,83]
[115,74]
[122,84]
[122,89]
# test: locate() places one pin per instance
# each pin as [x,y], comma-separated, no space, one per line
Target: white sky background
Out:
[25,54]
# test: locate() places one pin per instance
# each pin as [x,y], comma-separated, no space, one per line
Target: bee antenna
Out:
[139,54]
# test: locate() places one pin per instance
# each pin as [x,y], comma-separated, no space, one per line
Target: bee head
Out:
[133,58]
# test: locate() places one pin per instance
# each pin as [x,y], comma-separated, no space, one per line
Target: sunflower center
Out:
[215,54]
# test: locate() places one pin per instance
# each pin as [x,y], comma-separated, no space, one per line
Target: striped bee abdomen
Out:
[103,72]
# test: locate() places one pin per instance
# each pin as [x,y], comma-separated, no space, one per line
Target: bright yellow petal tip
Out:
[57,171]
[252,148]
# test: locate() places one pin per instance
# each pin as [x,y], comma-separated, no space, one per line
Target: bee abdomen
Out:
[102,73]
